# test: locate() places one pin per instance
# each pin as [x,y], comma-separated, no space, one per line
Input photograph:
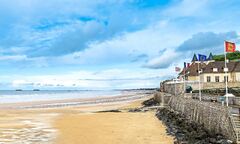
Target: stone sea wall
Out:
[162,98]
[212,116]
[188,132]
[172,88]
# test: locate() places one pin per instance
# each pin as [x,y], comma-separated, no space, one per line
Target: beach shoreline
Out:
[84,124]
[127,97]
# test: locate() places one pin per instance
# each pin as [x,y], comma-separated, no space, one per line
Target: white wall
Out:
[221,77]
[238,76]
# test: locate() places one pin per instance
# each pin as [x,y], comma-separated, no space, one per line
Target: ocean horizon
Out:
[15,96]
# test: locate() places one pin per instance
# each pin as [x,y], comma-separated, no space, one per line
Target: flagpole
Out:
[199,84]
[175,86]
[184,87]
[226,84]
[175,82]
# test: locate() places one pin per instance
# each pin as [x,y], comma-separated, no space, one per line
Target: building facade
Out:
[214,72]
[211,71]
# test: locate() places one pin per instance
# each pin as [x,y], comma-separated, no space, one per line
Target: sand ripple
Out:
[31,130]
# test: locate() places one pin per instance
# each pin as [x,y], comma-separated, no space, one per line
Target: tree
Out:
[230,56]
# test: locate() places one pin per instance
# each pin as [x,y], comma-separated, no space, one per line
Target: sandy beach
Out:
[83,124]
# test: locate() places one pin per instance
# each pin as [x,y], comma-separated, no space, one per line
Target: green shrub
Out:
[230,56]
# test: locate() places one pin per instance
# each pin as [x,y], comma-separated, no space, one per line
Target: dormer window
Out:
[215,70]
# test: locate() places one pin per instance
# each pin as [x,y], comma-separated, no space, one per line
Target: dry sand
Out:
[111,128]
[80,125]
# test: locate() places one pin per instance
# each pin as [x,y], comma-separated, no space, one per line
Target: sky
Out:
[108,44]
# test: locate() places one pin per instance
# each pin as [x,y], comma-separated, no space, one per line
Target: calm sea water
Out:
[10,96]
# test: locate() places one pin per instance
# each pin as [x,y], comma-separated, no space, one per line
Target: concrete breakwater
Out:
[212,116]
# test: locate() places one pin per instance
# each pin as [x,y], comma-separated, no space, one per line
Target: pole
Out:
[184,85]
[199,83]
[175,86]
[226,84]
[175,81]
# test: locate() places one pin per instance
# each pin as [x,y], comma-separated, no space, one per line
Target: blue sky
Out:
[105,44]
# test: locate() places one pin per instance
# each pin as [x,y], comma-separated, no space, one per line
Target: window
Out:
[208,79]
[225,78]
[216,78]
[215,70]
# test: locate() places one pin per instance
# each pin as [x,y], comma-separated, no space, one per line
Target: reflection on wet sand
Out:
[27,129]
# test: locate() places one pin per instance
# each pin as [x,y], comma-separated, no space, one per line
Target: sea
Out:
[13,96]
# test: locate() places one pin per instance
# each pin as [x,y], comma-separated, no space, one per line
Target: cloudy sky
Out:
[105,44]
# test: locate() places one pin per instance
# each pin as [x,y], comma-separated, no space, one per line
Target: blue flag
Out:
[185,65]
[202,57]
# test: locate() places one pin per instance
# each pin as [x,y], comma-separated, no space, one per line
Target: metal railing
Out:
[233,101]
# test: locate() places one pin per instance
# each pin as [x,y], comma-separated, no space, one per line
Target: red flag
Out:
[177,69]
[188,65]
[230,47]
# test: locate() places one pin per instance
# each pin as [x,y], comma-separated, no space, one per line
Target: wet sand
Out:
[81,125]
[27,127]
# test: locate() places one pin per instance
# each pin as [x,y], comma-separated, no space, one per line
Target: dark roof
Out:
[193,69]
[232,67]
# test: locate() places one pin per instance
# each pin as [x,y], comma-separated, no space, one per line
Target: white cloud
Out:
[126,47]
[17,83]
[164,60]
[207,41]
[13,58]
[113,40]
[187,8]
[106,79]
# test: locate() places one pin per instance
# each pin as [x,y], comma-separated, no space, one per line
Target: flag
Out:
[185,65]
[202,57]
[230,47]
[188,65]
[194,58]
[177,69]
[210,57]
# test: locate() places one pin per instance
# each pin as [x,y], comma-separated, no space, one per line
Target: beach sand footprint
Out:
[27,129]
